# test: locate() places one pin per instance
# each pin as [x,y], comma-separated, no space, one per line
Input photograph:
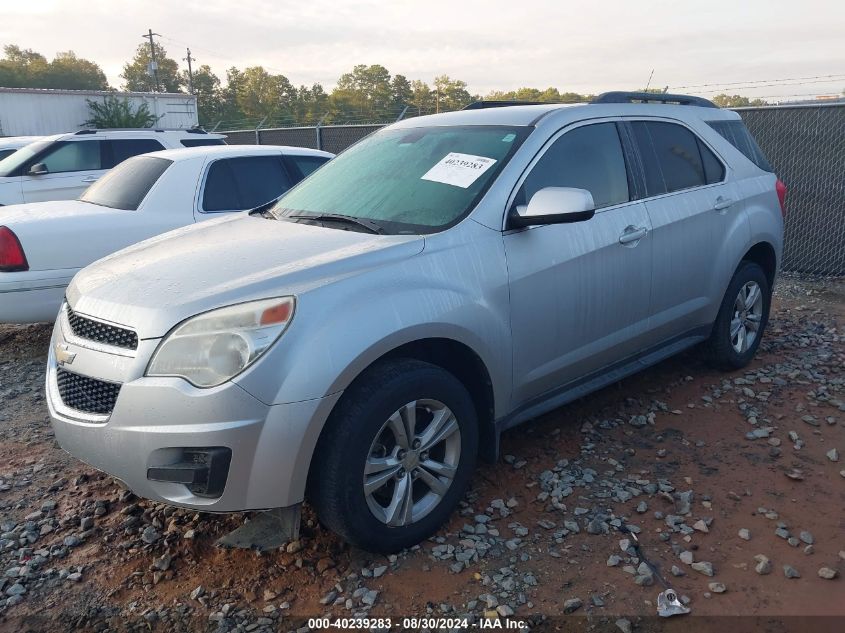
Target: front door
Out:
[579,292]
[71,168]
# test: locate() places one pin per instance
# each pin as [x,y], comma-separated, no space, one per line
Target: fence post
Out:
[258,127]
[402,114]
[319,131]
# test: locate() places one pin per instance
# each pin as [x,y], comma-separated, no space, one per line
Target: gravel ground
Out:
[733,483]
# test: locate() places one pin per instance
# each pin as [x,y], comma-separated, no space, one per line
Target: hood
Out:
[158,283]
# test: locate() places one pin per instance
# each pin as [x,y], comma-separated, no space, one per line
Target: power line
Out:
[759,81]
[774,85]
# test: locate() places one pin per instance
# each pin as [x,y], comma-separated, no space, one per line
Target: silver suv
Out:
[362,341]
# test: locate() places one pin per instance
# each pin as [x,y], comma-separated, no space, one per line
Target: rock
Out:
[701,526]
[196,593]
[745,534]
[324,564]
[642,507]
[790,572]
[75,576]
[833,455]
[86,523]
[677,571]
[807,537]
[827,573]
[504,610]
[189,534]
[597,600]
[572,605]
[329,598]
[163,563]
[370,597]
[613,560]
[644,580]
[150,535]
[717,587]
[269,595]
[703,567]
[294,546]
[782,532]
[623,625]
[18,589]
[764,565]
[687,557]
[378,572]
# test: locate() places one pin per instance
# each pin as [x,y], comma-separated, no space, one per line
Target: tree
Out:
[422,98]
[365,93]
[207,91]
[119,113]
[74,73]
[736,101]
[450,94]
[260,94]
[402,92]
[137,79]
[25,68]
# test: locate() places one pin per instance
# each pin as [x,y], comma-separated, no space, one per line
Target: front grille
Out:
[101,332]
[86,394]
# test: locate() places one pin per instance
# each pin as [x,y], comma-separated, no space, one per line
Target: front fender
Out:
[455,288]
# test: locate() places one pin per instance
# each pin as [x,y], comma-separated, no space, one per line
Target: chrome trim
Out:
[70,337]
[54,398]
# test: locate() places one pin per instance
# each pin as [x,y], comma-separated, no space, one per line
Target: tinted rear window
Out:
[738,135]
[200,142]
[124,148]
[671,158]
[126,186]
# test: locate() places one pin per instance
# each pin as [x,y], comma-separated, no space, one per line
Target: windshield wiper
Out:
[369,226]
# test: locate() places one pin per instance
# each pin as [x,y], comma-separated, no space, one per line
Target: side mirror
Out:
[38,169]
[554,205]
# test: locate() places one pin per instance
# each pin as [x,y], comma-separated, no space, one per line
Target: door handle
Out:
[632,234]
[722,203]
[89,179]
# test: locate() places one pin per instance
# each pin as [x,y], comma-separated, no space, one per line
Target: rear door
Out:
[690,204]
[579,292]
[71,165]
[241,183]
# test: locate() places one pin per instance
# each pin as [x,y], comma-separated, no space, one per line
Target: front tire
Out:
[742,318]
[396,456]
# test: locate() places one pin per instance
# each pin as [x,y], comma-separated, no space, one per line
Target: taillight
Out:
[12,258]
[780,187]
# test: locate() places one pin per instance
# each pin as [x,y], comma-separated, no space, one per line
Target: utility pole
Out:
[190,59]
[153,68]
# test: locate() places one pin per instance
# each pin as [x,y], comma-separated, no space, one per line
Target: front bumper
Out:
[154,419]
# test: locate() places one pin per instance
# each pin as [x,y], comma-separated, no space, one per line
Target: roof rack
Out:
[653,97]
[189,130]
[483,105]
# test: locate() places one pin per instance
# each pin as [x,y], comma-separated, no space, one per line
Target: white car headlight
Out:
[210,348]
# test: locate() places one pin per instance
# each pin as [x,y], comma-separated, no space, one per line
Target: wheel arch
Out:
[763,254]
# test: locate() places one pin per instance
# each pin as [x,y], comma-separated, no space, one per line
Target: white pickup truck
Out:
[44,244]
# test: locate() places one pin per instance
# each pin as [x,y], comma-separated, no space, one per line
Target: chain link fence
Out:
[804,143]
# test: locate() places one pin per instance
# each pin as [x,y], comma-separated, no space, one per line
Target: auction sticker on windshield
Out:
[460,170]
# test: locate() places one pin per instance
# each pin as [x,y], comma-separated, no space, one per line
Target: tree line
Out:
[245,97]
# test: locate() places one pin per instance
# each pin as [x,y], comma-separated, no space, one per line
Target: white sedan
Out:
[44,244]
[11,144]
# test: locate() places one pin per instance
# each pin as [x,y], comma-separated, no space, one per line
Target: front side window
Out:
[126,186]
[407,180]
[67,156]
[246,182]
[122,149]
[589,157]
[671,157]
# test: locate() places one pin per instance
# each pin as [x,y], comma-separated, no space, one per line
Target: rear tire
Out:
[396,456]
[742,318]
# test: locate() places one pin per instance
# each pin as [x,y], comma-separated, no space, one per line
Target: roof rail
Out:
[483,105]
[653,97]
[188,130]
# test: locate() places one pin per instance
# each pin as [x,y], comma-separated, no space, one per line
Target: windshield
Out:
[11,164]
[126,186]
[412,180]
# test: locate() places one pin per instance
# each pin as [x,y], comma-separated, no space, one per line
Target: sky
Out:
[735,46]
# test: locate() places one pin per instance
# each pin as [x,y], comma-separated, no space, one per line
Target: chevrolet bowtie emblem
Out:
[63,355]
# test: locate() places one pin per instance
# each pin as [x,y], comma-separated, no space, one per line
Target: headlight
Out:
[210,348]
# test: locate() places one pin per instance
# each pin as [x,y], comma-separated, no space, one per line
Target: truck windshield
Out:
[10,165]
[409,180]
